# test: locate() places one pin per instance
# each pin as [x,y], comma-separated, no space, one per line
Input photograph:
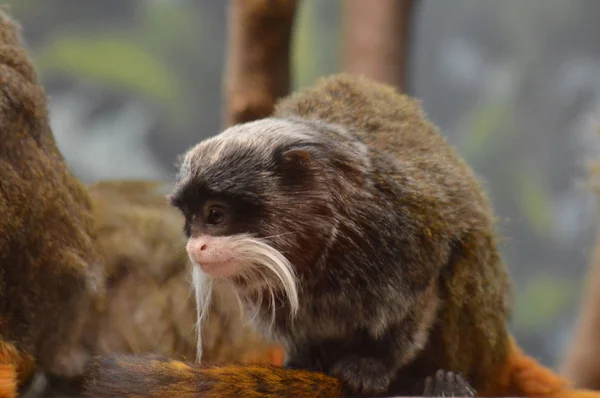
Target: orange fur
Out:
[8,381]
[14,362]
[129,376]
[523,376]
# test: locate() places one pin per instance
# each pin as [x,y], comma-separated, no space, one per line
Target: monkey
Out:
[348,227]
[342,203]
[49,267]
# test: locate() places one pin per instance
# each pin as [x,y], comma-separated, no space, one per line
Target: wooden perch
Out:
[258,59]
[376,38]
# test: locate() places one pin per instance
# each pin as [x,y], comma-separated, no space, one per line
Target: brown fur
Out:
[49,269]
[582,360]
[392,236]
[123,376]
[473,284]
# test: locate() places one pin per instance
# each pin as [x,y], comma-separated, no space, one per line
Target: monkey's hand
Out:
[447,384]
[362,375]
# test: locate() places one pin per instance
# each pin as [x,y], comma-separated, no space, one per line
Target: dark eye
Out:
[215,215]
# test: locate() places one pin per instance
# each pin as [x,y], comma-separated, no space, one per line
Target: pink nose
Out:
[208,249]
[197,249]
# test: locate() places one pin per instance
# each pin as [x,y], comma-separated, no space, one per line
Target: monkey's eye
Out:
[215,215]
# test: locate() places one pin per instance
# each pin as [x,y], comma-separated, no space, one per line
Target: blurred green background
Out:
[513,84]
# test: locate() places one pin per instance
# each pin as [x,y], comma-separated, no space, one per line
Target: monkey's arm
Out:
[47,260]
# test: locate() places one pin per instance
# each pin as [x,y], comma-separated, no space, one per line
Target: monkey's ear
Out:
[296,156]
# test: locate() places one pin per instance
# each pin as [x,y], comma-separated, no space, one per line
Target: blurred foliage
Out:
[486,129]
[542,301]
[115,63]
[487,135]
[534,202]
[139,61]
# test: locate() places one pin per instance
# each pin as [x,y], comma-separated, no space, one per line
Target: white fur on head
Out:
[262,266]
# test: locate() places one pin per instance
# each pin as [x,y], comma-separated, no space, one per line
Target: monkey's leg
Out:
[447,384]
[374,361]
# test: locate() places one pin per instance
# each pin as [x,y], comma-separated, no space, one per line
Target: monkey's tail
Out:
[151,376]
[8,381]
[523,376]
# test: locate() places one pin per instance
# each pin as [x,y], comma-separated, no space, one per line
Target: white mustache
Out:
[202,286]
[258,261]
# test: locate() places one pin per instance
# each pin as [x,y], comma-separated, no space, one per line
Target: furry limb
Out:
[258,61]
[376,39]
[127,376]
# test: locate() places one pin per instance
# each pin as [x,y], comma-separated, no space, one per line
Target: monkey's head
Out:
[258,206]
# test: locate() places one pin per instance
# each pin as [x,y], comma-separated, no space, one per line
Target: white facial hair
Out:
[258,263]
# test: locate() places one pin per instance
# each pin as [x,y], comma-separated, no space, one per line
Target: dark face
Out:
[283,199]
[216,214]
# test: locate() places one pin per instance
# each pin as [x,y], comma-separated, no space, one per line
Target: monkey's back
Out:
[382,118]
[436,189]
